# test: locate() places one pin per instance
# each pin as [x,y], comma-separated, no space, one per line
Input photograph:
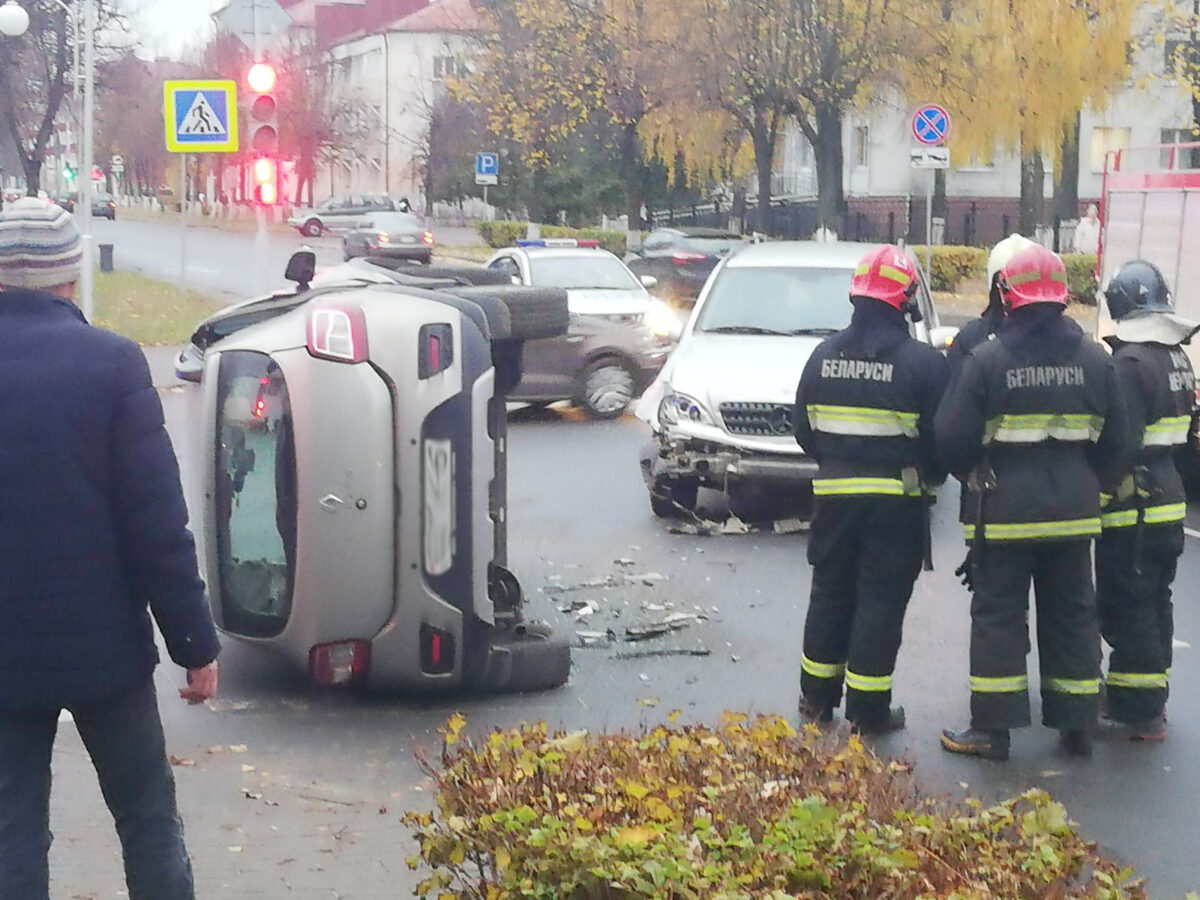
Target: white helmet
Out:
[1003,253]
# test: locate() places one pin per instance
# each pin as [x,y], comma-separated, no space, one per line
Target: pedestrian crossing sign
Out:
[201,116]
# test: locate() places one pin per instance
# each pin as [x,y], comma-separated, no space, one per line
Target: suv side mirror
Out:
[301,268]
[648,281]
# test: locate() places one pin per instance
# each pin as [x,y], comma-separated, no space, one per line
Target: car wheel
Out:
[533,313]
[607,388]
[671,498]
[528,657]
[312,228]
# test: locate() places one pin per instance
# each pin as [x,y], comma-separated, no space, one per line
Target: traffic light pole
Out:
[87,277]
[260,213]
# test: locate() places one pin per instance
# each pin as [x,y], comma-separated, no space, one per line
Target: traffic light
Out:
[266,181]
[263,118]
[68,173]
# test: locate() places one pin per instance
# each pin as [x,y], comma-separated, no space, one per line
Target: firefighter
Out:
[1034,423]
[1143,511]
[977,331]
[864,412]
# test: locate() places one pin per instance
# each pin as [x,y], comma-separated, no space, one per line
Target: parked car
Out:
[681,259]
[389,234]
[340,214]
[722,408]
[66,201]
[354,503]
[104,206]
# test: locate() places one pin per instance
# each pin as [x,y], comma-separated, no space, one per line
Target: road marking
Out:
[1191,532]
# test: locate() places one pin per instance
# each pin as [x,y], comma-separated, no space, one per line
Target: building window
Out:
[1104,142]
[860,147]
[447,67]
[1182,159]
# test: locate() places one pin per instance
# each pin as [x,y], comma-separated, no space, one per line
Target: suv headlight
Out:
[679,407]
[662,320]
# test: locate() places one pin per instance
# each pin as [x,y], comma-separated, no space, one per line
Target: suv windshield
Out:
[580,272]
[753,300]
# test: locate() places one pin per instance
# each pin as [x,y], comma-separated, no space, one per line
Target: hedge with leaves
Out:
[505,234]
[748,809]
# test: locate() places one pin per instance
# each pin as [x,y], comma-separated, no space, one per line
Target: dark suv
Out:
[682,259]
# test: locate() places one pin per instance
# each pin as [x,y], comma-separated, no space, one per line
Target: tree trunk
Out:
[536,202]
[764,160]
[829,156]
[32,165]
[941,204]
[631,174]
[1066,185]
[1032,209]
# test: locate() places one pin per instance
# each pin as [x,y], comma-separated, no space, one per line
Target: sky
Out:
[168,27]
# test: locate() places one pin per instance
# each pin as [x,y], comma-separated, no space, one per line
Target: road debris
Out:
[662,651]
[595,638]
[734,525]
[792,526]
[181,761]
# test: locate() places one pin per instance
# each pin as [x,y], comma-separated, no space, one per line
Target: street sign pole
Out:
[87,277]
[260,213]
[930,128]
[929,229]
[183,235]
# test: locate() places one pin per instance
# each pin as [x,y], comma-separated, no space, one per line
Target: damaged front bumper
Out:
[717,465]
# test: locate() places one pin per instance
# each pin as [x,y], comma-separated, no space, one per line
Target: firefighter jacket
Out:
[1039,413]
[865,406]
[974,333]
[1160,397]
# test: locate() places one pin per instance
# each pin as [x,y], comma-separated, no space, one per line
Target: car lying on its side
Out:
[722,408]
[355,494]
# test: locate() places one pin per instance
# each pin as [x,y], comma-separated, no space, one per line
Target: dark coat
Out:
[93,526]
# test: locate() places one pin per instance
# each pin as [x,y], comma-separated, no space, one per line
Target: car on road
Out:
[340,214]
[681,258]
[104,206]
[354,496]
[389,234]
[721,410]
[599,365]
[597,282]
[66,201]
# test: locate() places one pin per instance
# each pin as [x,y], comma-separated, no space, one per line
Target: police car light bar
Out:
[560,242]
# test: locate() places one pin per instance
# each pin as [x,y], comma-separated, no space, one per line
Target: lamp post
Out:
[14,22]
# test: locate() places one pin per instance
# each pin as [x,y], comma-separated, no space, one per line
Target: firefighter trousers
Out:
[1068,635]
[866,554]
[1136,617]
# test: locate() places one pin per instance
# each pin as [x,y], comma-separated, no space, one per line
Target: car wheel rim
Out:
[610,389]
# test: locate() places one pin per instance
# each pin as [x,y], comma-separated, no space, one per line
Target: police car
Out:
[355,501]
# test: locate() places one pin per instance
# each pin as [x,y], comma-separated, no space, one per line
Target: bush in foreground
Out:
[749,809]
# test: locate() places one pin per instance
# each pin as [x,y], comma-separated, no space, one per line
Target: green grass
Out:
[149,311]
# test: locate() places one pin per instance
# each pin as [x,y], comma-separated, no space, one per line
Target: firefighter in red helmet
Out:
[1034,424]
[864,412]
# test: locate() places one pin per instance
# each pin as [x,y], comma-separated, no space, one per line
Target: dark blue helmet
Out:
[1138,287]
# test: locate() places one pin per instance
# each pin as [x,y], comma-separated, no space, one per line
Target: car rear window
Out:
[786,300]
[255,495]
[396,222]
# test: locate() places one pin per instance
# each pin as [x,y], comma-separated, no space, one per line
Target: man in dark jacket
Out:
[980,330]
[864,412]
[1143,511]
[1034,423]
[93,540]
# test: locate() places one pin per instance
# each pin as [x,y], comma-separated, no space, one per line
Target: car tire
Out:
[671,498]
[466,275]
[533,313]
[526,658]
[606,388]
[312,228]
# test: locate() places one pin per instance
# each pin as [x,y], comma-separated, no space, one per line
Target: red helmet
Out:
[886,274]
[1035,275]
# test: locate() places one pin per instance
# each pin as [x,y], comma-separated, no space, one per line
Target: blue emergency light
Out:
[559,242]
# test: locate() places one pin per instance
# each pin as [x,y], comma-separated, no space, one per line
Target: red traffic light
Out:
[261,78]
[266,176]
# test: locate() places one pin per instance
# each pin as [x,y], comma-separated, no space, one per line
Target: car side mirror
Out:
[301,268]
[649,281]
[516,279]
[942,337]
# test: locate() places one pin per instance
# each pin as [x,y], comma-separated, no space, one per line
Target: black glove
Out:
[966,573]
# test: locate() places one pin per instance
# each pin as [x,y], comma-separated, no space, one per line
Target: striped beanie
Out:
[39,245]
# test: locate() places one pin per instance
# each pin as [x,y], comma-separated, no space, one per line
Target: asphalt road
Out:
[297,792]
[221,263]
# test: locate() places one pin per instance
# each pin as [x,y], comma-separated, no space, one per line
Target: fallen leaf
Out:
[181,761]
[648,701]
[238,748]
[234,849]
[246,768]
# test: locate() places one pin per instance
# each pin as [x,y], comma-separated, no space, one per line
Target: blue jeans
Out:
[124,738]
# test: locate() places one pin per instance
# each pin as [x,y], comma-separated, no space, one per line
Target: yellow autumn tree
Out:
[1015,74]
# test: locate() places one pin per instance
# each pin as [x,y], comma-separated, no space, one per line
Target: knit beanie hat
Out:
[39,245]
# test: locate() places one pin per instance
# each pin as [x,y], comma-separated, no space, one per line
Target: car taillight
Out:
[344,662]
[437,651]
[684,257]
[427,237]
[337,333]
[383,237]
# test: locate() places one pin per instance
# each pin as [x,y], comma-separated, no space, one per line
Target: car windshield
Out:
[597,271]
[760,300]
[396,222]
[712,245]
